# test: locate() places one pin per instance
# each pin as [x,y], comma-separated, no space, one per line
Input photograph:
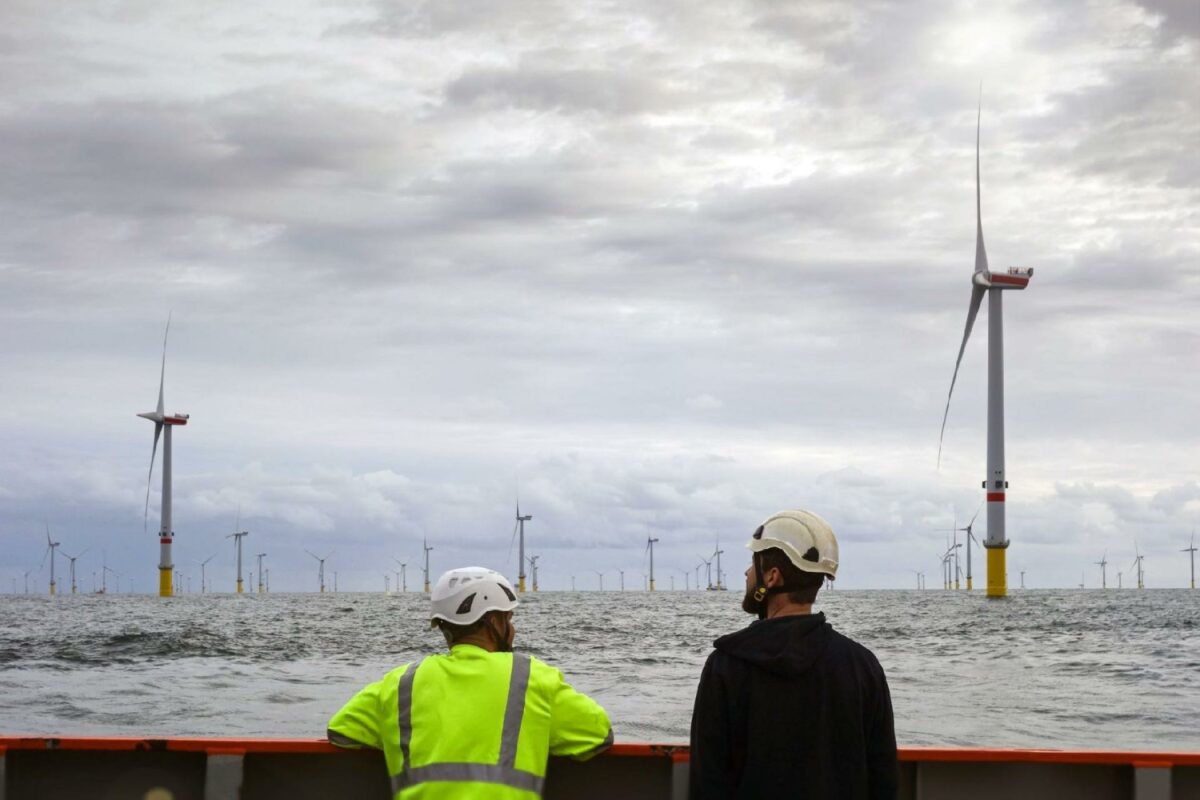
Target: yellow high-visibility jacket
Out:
[472,724]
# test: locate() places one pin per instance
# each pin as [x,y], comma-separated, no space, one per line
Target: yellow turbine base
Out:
[970,584]
[521,585]
[997,574]
[52,592]
[652,584]
[165,587]
[239,589]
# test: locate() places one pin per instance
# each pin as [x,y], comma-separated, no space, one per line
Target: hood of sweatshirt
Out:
[786,646]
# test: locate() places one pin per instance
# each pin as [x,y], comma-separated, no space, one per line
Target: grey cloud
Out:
[563,90]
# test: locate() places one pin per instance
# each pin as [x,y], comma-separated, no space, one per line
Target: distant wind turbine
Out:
[994,284]
[707,564]
[427,548]
[1191,550]
[203,582]
[1103,564]
[161,420]
[519,527]
[260,557]
[600,575]
[320,567]
[650,549]
[237,545]
[51,550]
[971,538]
[533,569]
[72,559]
[403,581]
[717,555]
[1138,561]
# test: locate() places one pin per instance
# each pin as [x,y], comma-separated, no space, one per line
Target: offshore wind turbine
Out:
[520,525]
[650,549]
[203,564]
[707,564]
[971,538]
[601,576]
[1103,564]
[106,569]
[51,550]
[427,548]
[162,420]
[260,557]
[320,567]
[1191,549]
[993,284]
[237,543]
[402,581]
[533,570]
[717,555]
[1138,561]
[72,559]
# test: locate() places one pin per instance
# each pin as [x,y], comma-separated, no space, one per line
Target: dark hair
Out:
[804,585]
[455,633]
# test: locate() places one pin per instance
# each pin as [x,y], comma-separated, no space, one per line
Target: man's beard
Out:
[749,604]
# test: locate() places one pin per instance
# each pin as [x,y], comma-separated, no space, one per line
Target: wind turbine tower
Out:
[203,564]
[51,550]
[650,549]
[1191,550]
[533,570]
[260,557]
[425,545]
[521,520]
[993,284]
[1103,564]
[971,538]
[402,583]
[162,420]
[237,545]
[717,554]
[1138,561]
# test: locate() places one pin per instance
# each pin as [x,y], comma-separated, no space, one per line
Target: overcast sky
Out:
[665,267]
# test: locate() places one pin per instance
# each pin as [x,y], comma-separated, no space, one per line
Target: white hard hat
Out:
[461,596]
[807,540]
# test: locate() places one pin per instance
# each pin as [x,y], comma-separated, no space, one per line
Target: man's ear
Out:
[773,577]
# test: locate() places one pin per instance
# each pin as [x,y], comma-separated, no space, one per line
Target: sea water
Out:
[1115,669]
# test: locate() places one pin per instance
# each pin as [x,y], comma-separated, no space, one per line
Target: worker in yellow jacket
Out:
[479,721]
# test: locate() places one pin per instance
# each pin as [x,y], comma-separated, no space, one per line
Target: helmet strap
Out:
[760,589]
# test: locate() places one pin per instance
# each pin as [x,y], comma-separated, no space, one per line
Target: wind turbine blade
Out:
[972,312]
[981,262]
[972,522]
[158,426]
[311,553]
[163,371]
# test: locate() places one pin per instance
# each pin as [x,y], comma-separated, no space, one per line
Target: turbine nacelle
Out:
[166,419]
[1015,278]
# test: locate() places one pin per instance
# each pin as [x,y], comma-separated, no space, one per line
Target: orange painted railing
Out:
[676,752]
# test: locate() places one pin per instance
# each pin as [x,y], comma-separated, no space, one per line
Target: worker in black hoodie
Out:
[788,707]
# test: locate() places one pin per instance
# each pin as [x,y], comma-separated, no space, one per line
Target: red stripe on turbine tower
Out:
[995,497]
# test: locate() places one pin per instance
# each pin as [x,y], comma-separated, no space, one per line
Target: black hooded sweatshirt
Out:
[790,708]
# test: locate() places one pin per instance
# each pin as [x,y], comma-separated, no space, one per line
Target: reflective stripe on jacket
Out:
[472,724]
